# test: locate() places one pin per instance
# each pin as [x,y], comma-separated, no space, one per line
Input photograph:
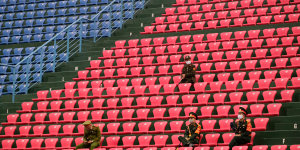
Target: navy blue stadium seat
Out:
[105,25]
[128,6]
[13,78]
[139,5]
[48,36]
[9,16]
[61,20]
[29,15]
[38,30]
[83,2]
[29,50]
[116,7]
[22,89]
[42,5]
[8,24]
[51,58]
[83,10]
[106,33]
[60,28]
[36,77]
[39,22]
[117,24]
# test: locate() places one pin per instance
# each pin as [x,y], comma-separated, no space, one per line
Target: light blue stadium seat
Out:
[41,13]
[3,69]
[61,12]
[105,33]
[25,68]
[105,17]
[5,60]
[128,6]
[1,17]
[22,78]
[16,59]
[42,5]
[105,9]
[139,5]
[117,16]
[2,80]
[72,11]
[42,49]
[51,49]
[19,23]
[105,25]
[21,7]
[62,4]
[51,13]
[84,34]
[72,3]
[6,52]
[9,89]
[5,40]
[30,15]
[40,22]
[63,57]
[73,35]
[29,23]
[85,26]
[61,20]
[12,2]
[50,29]
[129,15]
[3,2]
[52,5]
[117,24]
[16,39]
[6,32]
[102,1]
[38,67]
[36,77]
[83,10]
[116,7]
[9,24]
[29,50]
[18,51]
[72,19]
[9,16]
[32,1]
[11,8]
[50,67]
[83,2]
[28,31]
[2,9]
[38,58]
[94,9]
[61,36]
[94,25]
[26,38]
[50,21]
[17,32]
[22,89]
[93,33]
[30,7]
[48,36]
[13,78]
[20,15]
[38,30]
[60,28]
[50,58]
[1,89]
[38,37]
[73,27]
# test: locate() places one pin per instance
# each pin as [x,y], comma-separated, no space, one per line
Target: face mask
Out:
[240,116]
[188,62]
[191,121]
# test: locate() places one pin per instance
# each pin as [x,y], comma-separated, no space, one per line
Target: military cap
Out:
[88,122]
[193,115]
[187,58]
[243,110]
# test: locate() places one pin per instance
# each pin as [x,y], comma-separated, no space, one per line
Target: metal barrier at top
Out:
[29,71]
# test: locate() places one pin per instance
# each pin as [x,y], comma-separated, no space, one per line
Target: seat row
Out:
[207,38]
[289,9]
[233,5]
[255,2]
[159,59]
[223,23]
[128,128]
[21,69]
[138,114]
[5,80]
[51,3]
[252,97]
[19,89]
[35,59]
[11,52]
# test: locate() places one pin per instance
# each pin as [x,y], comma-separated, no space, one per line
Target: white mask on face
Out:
[191,120]
[188,62]
[240,116]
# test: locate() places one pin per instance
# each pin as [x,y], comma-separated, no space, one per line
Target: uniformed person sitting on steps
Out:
[188,71]
[242,128]
[192,132]
[91,138]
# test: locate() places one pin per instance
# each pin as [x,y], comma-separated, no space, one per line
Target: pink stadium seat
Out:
[240,148]
[227,137]
[112,114]
[127,114]
[252,97]
[36,143]
[263,84]
[160,140]
[219,99]
[70,85]
[236,110]
[224,125]
[128,141]
[54,117]
[40,117]
[112,141]
[208,125]
[128,127]
[156,100]
[280,83]
[279,147]
[273,109]
[211,139]
[286,96]
[222,111]
[112,128]
[68,116]
[235,98]
[10,131]
[144,141]
[231,86]
[174,112]
[206,111]
[172,100]
[175,126]
[256,110]
[83,116]
[95,64]
[239,76]
[51,142]
[247,85]
[142,114]
[54,129]
[70,104]
[294,147]
[200,87]
[255,75]
[24,130]
[25,118]
[142,101]
[7,144]
[215,87]
[42,106]
[66,142]
[260,124]
[22,143]
[160,126]
[158,113]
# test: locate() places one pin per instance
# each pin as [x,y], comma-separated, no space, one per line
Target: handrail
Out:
[67,42]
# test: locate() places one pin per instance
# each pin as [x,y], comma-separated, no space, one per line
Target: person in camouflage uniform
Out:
[192,132]
[92,136]
[188,71]
[242,128]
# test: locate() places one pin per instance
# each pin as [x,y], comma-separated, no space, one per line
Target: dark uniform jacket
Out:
[189,71]
[192,131]
[93,134]
[243,127]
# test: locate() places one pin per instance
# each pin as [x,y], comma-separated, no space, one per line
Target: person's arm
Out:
[196,133]
[248,129]
[98,135]
[85,136]
[186,133]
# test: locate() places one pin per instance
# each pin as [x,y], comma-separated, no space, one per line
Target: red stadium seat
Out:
[279,147]
[36,143]
[273,109]
[211,139]
[256,110]
[227,137]
[224,125]
[22,143]
[286,96]
[144,141]
[260,124]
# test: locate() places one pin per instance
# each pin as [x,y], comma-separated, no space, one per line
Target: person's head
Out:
[242,113]
[192,117]
[187,60]
[88,124]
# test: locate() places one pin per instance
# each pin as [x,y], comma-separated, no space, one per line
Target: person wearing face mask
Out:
[188,71]
[242,128]
[192,132]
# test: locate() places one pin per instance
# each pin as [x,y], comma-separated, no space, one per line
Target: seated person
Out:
[242,129]
[91,138]
[188,71]
[192,132]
